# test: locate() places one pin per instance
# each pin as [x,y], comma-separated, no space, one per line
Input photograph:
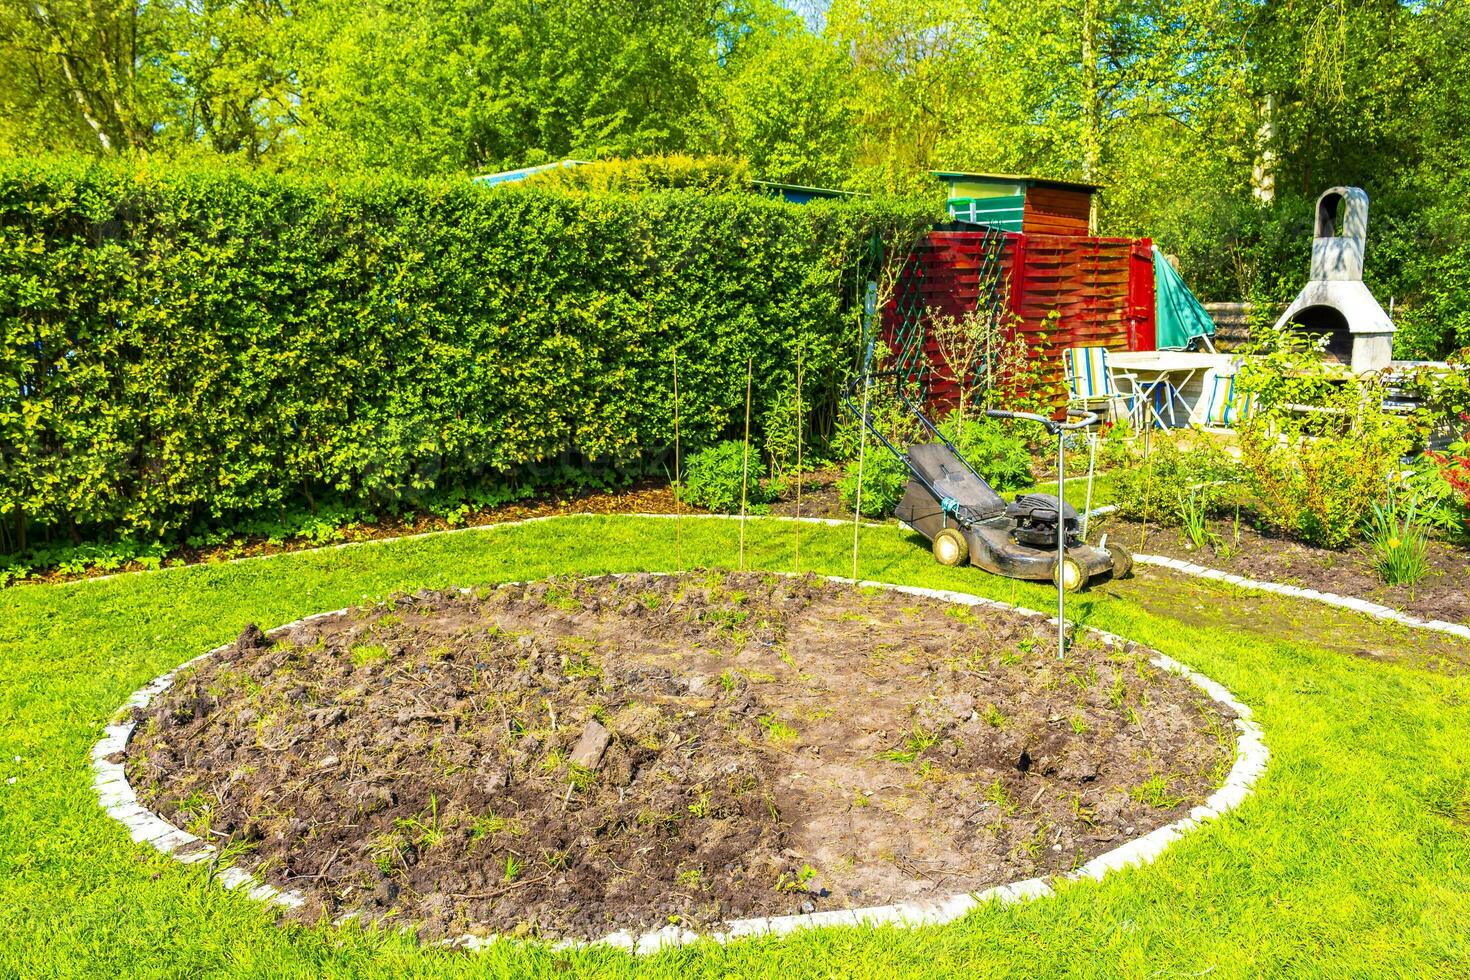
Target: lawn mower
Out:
[1037,536]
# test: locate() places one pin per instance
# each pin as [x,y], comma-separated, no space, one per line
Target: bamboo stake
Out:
[745,460]
[678,536]
[796,525]
[857,510]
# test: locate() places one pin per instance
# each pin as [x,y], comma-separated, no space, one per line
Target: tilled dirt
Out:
[576,756]
[1444,593]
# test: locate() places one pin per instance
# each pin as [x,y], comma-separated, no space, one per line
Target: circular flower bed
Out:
[577,756]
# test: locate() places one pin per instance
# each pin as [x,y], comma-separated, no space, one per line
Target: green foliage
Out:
[988,445]
[1115,444]
[715,477]
[1442,507]
[992,448]
[1175,485]
[884,477]
[1441,481]
[1195,505]
[787,421]
[1399,544]
[793,105]
[188,350]
[1297,391]
[641,175]
[1320,450]
[1321,489]
[1213,123]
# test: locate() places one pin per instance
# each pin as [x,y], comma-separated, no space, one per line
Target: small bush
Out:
[714,476]
[1441,481]
[1441,488]
[1176,487]
[993,450]
[997,455]
[1115,444]
[1322,490]
[884,479]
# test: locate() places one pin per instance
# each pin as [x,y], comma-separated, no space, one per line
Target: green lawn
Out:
[1352,858]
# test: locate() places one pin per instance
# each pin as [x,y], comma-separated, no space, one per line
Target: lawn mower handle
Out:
[1083,419]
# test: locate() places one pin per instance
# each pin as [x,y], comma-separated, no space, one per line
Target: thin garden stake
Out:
[1148,482]
[857,510]
[1061,544]
[1091,470]
[796,524]
[867,340]
[745,461]
[678,537]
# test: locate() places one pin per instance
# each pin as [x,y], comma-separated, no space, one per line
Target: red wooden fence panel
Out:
[1102,290]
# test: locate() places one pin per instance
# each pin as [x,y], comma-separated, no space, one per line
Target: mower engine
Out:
[1036,518]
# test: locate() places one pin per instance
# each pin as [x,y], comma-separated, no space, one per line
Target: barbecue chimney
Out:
[1336,303]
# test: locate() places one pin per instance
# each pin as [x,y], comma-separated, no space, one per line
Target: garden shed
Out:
[1017,203]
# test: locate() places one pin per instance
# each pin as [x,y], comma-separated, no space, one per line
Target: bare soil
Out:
[1259,553]
[576,756]
[819,496]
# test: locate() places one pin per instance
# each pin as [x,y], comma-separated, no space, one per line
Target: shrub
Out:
[1440,483]
[640,175]
[1322,490]
[884,479]
[187,349]
[714,477]
[995,452]
[1176,487]
[1115,444]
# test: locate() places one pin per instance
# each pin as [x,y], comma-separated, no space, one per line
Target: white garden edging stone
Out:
[120,801]
[1373,609]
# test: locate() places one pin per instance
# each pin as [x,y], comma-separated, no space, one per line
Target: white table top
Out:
[1168,360]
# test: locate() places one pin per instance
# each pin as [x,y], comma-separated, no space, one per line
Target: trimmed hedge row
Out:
[190,346]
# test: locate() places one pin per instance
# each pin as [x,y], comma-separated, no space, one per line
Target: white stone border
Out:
[1363,606]
[1251,755]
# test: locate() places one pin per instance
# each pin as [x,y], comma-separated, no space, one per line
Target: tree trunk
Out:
[1263,173]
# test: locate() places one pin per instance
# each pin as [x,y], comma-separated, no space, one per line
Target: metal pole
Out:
[1061,543]
[1091,470]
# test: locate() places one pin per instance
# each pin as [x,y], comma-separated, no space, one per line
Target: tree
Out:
[917,63]
[792,103]
[79,59]
[436,86]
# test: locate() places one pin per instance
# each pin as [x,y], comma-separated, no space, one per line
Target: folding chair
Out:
[1225,405]
[1091,382]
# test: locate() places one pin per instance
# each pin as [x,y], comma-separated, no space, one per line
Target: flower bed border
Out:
[120,801]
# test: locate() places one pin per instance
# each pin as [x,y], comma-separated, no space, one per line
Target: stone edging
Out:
[117,797]
[1372,609]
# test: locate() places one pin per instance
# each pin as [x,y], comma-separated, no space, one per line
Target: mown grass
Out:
[1352,859]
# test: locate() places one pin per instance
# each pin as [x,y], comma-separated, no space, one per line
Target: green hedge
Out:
[189,347]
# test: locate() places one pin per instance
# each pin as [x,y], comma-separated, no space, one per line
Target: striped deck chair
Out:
[1225,405]
[1092,383]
